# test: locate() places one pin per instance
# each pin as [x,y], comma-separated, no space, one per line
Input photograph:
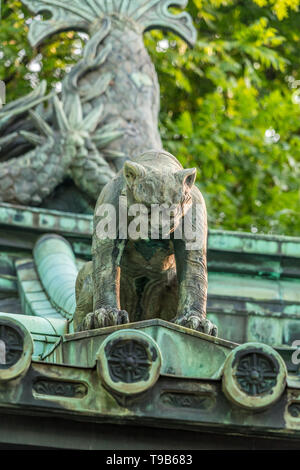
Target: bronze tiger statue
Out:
[138,278]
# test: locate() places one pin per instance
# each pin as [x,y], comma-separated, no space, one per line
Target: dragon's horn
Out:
[90,51]
[28,101]
[33,138]
[107,134]
[41,124]
[61,118]
[91,59]
[91,121]
[12,110]
[6,140]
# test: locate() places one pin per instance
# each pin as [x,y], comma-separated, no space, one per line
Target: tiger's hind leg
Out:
[84,295]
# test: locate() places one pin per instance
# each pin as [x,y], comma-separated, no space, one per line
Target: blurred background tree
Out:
[230,106]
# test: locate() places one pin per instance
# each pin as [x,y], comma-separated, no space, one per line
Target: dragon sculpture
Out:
[105,117]
[107,109]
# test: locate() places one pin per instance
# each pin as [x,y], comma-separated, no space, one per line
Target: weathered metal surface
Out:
[179,347]
[33,297]
[44,221]
[239,242]
[143,16]
[151,373]
[135,277]
[220,241]
[252,279]
[254,376]
[129,362]
[17,349]
[45,333]
[44,322]
[170,401]
[108,107]
[57,269]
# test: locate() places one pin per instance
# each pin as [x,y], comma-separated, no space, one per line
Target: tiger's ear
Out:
[132,171]
[187,177]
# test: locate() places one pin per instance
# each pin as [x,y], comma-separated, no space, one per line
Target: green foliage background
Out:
[230,106]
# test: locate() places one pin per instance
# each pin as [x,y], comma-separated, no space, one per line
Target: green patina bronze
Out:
[184,379]
[150,373]
[107,110]
[193,387]
[174,278]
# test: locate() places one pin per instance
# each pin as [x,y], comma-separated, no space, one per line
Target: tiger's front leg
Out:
[106,286]
[191,271]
